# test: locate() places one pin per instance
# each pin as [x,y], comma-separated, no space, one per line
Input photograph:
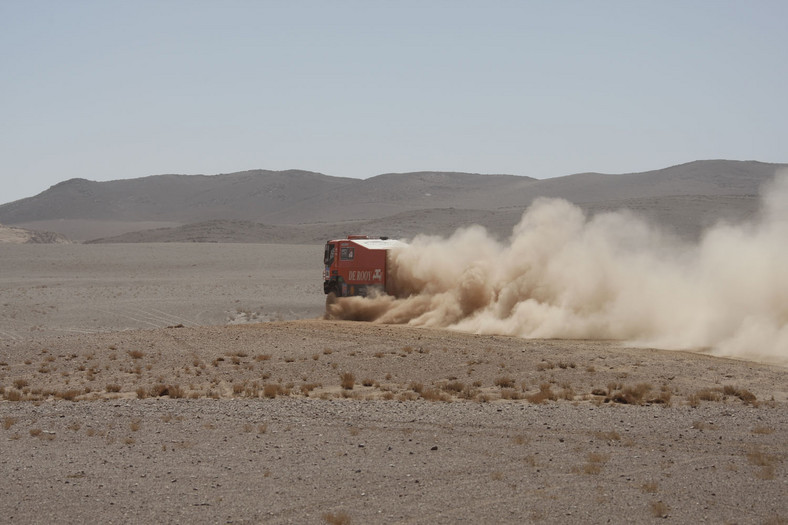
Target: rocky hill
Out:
[301,206]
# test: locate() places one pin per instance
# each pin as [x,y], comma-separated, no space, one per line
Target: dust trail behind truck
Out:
[357,265]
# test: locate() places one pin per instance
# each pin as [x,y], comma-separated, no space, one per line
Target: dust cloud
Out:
[611,276]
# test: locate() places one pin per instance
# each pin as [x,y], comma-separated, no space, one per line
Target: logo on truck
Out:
[365,275]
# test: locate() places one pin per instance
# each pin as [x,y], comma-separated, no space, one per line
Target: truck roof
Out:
[375,244]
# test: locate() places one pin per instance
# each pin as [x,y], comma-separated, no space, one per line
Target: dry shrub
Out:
[594,463]
[611,435]
[496,476]
[545,393]
[632,395]
[469,392]
[347,380]
[306,388]
[8,422]
[35,432]
[433,394]
[742,393]
[340,518]
[504,382]
[510,393]
[19,384]
[454,386]
[135,425]
[416,387]
[142,393]
[173,391]
[368,382]
[693,400]
[762,430]
[69,395]
[709,394]
[13,395]
[271,390]
[649,487]
[262,428]
[520,440]
[113,387]
[659,509]
[136,354]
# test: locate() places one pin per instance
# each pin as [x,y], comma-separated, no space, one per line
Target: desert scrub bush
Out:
[632,395]
[454,387]
[306,388]
[610,435]
[368,382]
[142,393]
[35,432]
[416,387]
[650,487]
[545,394]
[136,354]
[504,382]
[520,439]
[594,463]
[659,509]
[762,430]
[8,422]
[347,380]
[12,394]
[161,390]
[68,395]
[339,518]
[271,390]
[19,384]
[510,394]
[434,394]
[742,393]
[113,387]
[766,461]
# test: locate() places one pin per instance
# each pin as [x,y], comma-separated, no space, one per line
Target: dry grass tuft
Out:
[173,391]
[545,394]
[504,382]
[594,463]
[340,518]
[8,422]
[347,380]
[136,354]
[650,487]
[631,395]
[271,390]
[608,436]
[659,509]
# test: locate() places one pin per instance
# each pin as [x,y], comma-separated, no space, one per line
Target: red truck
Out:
[356,265]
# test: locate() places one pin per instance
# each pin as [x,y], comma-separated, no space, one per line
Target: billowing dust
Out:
[611,276]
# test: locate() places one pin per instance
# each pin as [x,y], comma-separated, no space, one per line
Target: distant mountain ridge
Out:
[87,209]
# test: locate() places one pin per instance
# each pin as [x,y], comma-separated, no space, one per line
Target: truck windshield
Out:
[328,257]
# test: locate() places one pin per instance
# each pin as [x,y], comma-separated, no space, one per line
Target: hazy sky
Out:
[117,89]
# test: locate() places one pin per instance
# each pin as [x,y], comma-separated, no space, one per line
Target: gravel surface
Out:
[109,419]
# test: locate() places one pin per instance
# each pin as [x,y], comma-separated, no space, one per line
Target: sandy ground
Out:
[127,396]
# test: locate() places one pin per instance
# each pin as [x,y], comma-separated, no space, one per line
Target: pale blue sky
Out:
[118,89]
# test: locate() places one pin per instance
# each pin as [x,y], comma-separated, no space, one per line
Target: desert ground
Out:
[198,383]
